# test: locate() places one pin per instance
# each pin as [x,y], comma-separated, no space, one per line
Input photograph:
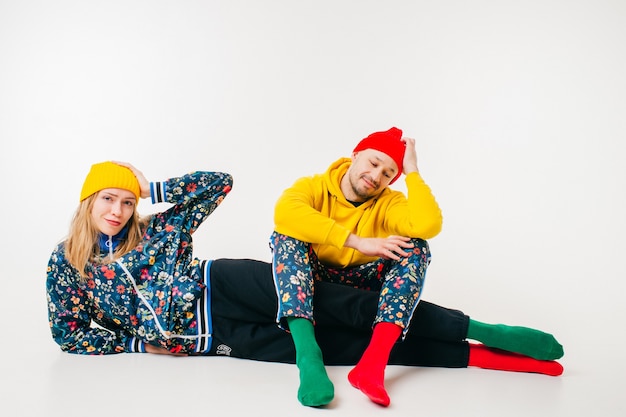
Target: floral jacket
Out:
[149,295]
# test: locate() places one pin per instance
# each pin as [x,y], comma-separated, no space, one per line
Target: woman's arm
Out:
[195,195]
[69,314]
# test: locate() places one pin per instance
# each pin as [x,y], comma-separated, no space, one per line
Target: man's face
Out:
[370,172]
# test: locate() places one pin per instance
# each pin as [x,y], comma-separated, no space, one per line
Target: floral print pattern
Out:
[163,269]
[296,268]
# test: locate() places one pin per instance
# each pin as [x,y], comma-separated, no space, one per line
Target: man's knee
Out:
[420,244]
[278,239]
[421,250]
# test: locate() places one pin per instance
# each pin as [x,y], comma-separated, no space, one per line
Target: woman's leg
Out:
[359,307]
[343,346]
[490,358]
[432,322]
[243,290]
[244,299]
[339,345]
[518,339]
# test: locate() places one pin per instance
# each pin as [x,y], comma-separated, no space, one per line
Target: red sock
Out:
[485,357]
[369,374]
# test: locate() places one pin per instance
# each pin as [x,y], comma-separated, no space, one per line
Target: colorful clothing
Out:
[297,268]
[314,210]
[158,293]
[313,220]
[244,313]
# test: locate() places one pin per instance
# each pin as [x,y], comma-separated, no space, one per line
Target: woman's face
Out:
[112,208]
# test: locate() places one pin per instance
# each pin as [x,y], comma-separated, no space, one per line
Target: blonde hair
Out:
[81,245]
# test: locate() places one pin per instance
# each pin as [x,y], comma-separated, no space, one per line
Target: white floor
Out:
[46,382]
[39,380]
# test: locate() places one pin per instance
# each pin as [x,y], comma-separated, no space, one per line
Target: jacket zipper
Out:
[164,333]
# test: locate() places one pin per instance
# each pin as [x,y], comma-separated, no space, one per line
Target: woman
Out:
[122,283]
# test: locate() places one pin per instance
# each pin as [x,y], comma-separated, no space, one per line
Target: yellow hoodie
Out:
[315,210]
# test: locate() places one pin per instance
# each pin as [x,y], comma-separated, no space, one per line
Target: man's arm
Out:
[419,216]
[387,248]
[295,215]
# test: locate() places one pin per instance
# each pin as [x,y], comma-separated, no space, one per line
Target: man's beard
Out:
[364,195]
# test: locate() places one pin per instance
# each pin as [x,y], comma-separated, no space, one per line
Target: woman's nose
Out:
[116,209]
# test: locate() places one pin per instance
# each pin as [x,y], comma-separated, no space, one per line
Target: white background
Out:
[518,111]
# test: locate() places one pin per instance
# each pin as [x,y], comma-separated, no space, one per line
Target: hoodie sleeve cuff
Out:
[338,236]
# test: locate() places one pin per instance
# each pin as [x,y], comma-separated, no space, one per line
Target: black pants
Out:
[244,305]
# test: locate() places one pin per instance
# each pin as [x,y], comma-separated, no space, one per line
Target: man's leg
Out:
[293,276]
[399,296]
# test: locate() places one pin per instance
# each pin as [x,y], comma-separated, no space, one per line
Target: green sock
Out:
[522,340]
[315,389]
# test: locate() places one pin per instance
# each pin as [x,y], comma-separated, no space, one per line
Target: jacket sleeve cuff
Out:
[157,192]
[136,345]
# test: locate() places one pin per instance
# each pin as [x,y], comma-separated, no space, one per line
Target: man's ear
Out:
[354,154]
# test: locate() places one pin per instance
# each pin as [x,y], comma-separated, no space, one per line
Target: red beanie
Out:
[388,143]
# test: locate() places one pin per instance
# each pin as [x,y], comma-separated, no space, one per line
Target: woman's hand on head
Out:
[144,184]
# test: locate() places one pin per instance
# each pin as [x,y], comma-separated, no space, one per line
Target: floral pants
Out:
[296,268]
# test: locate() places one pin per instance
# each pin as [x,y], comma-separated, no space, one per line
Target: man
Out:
[346,226]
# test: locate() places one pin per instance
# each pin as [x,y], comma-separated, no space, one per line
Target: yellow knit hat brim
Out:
[109,175]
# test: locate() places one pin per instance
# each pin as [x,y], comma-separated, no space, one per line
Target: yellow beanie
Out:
[109,175]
